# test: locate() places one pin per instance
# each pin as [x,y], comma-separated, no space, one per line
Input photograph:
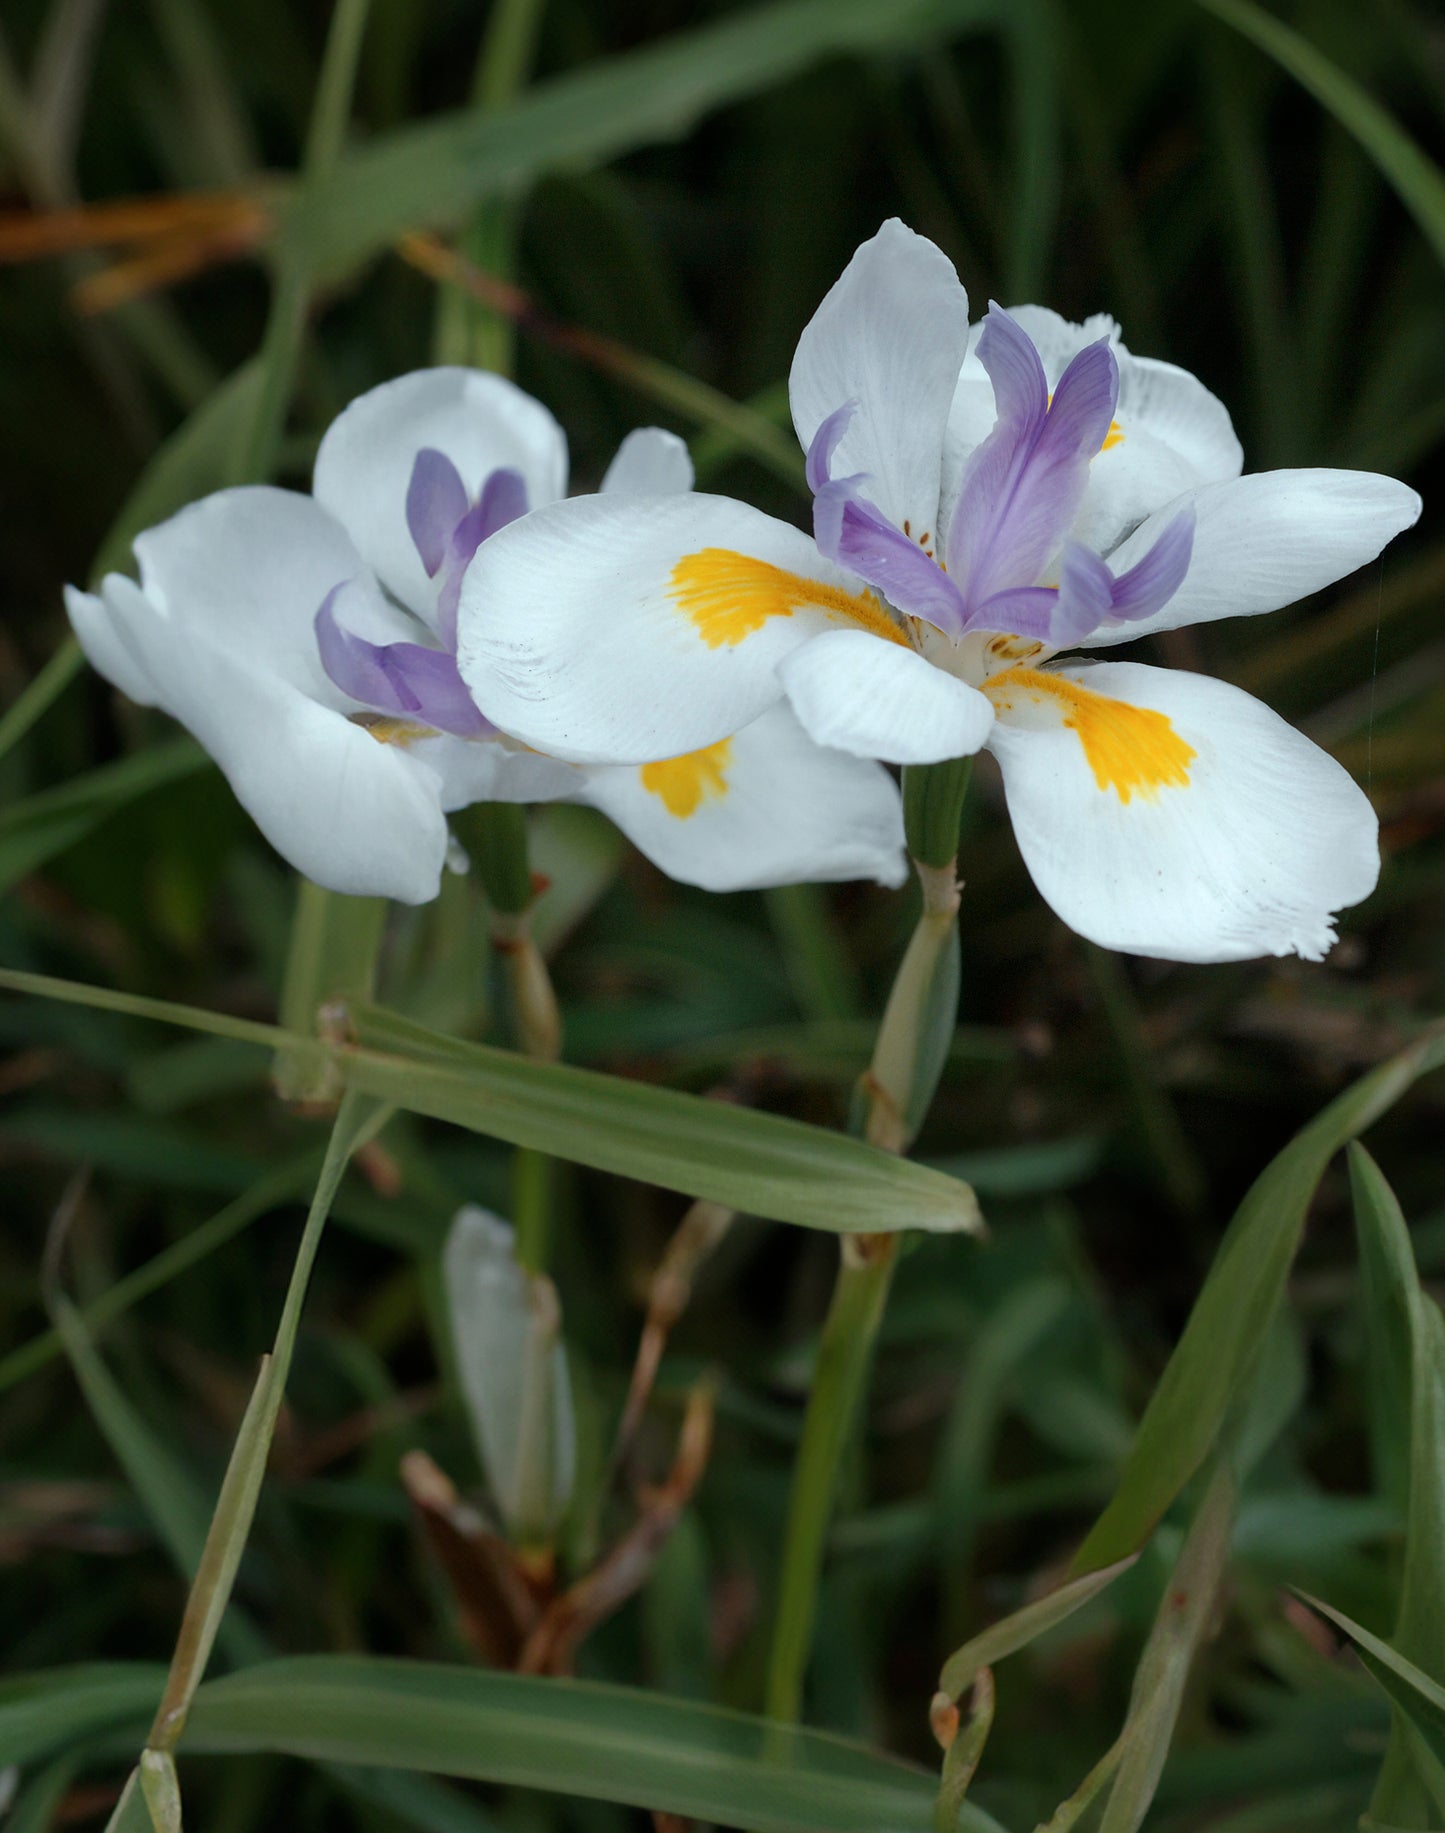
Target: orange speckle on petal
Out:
[728,596]
[682,784]
[1130,749]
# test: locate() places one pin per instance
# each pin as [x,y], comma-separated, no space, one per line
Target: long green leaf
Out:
[434,175]
[758,1163]
[609,1743]
[1418,182]
[46,1713]
[1419,1699]
[1231,1317]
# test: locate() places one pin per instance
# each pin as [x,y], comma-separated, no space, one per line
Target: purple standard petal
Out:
[436,500]
[404,679]
[819,467]
[1022,487]
[849,529]
[503,500]
[1149,585]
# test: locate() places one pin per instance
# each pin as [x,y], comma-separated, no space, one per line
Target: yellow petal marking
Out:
[683,784]
[1114,437]
[1129,748]
[729,595]
[388,731]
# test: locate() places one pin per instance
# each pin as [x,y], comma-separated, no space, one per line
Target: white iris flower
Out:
[985,498]
[309,643]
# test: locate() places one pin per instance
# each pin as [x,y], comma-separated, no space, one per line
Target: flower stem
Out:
[893,1097]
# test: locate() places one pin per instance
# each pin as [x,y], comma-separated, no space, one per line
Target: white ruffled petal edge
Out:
[1251,856]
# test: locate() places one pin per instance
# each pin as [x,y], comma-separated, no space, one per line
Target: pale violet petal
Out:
[854,693]
[764,807]
[889,337]
[481,422]
[650,462]
[1265,540]
[1173,815]
[616,629]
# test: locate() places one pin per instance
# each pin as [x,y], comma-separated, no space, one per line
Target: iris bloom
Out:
[309,644]
[985,499]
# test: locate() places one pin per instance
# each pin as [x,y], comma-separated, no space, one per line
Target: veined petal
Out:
[409,680]
[480,422]
[1022,487]
[249,568]
[100,630]
[649,462]
[1266,540]
[615,629]
[352,813]
[851,531]
[1173,815]
[889,337]
[853,693]
[764,807]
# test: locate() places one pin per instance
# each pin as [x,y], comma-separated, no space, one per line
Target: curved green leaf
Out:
[762,1164]
[1231,1317]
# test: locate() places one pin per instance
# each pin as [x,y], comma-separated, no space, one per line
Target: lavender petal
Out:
[850,530]
[1023,485]
[819,467]
[503,500]
[1151,582]
[436,500]
[405,679]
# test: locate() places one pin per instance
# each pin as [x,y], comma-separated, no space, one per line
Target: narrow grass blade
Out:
[1231,1317]
[760,1164]
[1418,182]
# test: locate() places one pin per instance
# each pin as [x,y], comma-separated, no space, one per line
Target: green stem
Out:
[907,1061]
[839,1383]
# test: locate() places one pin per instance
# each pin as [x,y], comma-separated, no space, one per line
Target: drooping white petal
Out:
[352,813]
[1173,815]
[249,568]
[1268,539]
[857,694]
[764,807]
[481,422]
[615,629]
[650,462]
[889,337]
[101,634]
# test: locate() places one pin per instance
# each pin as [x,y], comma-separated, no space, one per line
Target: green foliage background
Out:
[693,199]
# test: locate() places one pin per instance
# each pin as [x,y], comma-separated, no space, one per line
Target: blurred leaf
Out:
[1419,1700]
[42,1714]
[1406,1335]
[1024,1626]
[1231,1317]
[35,830]
[433,175]
[1417,180]
[758,1163]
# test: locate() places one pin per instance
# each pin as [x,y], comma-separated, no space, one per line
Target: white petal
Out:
[248,568]
[351,813]
[765,807]
[650,462]
[496,770]
[889,336]
[1238,838]
[101,634]
[615,629]
[1266,540]
[857,694]
[481,422]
